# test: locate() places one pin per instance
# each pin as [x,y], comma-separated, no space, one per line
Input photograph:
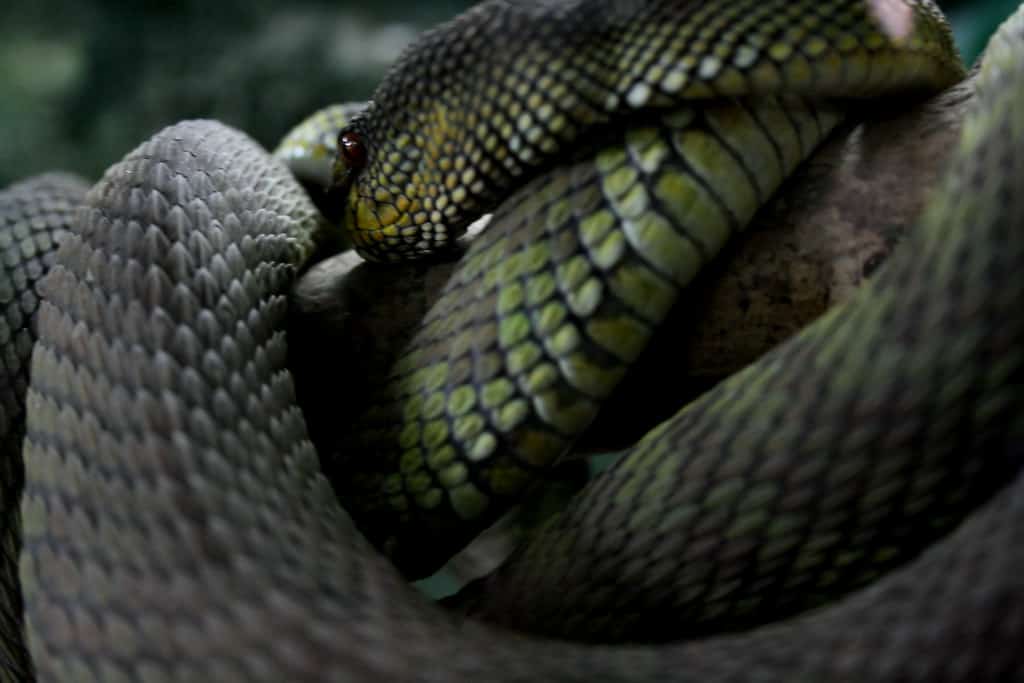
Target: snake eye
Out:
[352,149]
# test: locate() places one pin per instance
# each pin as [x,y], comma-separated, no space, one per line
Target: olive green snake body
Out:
[177,523]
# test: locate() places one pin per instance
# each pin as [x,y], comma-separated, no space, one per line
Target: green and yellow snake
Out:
[176,522]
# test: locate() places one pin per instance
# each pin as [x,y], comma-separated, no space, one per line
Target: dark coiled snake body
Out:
[860,481]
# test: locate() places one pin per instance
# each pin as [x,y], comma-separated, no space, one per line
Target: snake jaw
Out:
[381,220]
[378,230]
[390,224]
[359,215]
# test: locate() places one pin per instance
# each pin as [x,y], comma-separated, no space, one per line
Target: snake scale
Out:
[177,523]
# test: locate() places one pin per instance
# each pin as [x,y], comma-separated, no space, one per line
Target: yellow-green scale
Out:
[681,119]
[465,129]
[555,301]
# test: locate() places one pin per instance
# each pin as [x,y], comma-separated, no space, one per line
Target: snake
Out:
[847,508]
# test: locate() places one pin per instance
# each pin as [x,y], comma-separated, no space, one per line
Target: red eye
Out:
[352,149]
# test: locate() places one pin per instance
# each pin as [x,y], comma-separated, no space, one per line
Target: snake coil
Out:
[161,543]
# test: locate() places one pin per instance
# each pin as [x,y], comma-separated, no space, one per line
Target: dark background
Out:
[83,82]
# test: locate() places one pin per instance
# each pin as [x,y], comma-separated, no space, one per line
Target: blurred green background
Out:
[83,82]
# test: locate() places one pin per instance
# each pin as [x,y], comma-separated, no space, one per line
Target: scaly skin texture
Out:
[480,104]
[177,525]
[578,267]
[34,216]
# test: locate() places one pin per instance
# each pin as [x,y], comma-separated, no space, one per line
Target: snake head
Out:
[397,203]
